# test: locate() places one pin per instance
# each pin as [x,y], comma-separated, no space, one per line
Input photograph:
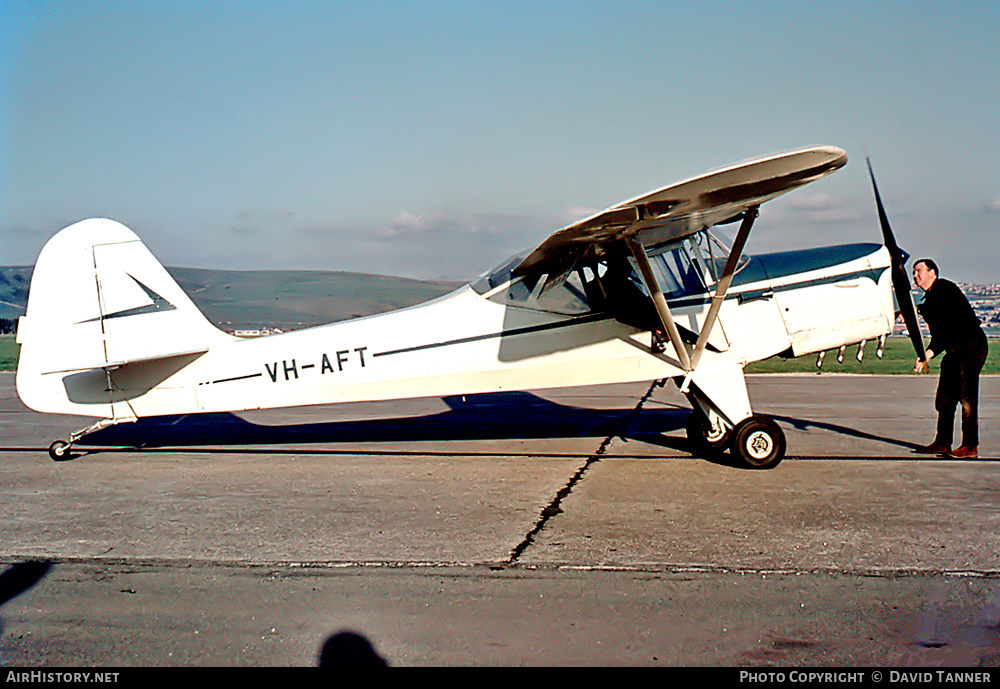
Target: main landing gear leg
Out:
[707,433]
[756,441]
[61,450]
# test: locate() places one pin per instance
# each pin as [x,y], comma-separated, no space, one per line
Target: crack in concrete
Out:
[555,505]
[471,568]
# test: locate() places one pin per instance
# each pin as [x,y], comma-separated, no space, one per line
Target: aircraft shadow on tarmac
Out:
[805,424]
[490,416]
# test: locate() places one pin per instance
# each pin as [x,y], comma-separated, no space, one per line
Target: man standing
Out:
[955,330]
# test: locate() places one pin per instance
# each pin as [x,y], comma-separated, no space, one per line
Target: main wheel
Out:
[758,442]
[703,438]
[59,450]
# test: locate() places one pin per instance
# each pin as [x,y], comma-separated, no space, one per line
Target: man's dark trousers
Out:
[959,382]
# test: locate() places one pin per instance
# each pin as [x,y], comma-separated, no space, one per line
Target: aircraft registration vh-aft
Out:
[641,291]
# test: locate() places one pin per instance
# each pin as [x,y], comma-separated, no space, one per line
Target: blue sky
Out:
[434,139]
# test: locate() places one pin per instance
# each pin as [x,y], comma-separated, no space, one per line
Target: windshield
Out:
[492,279]
[675,272]
[561,293]
[715,250]
[683,267]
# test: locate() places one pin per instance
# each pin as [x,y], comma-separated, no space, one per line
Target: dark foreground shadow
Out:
[493,416]
[20,577]
[349,649]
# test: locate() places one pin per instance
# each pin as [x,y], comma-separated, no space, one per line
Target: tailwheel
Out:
[758,442]
[704,437]
[59,450]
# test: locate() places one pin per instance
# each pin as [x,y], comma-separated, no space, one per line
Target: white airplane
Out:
[641,291]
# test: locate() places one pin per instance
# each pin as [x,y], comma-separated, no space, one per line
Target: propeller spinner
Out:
[900,280]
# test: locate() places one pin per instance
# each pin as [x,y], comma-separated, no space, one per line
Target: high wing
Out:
[681,209]
[674,212]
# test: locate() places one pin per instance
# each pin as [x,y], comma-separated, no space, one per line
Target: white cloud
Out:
[577,213]
[445,224]
[813,202]
[815,209]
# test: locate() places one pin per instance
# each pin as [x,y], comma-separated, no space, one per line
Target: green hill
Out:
[14,281]
[298,298]
[235,299]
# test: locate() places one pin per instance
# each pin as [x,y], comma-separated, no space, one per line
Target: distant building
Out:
[257,332]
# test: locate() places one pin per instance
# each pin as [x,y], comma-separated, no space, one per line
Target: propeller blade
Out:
[900,280]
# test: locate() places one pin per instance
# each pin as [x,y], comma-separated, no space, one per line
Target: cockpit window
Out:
[675,273]
[715,252]
[563,293]
[609,279]
[492,279]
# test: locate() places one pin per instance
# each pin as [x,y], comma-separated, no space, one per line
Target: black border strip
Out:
[233,379]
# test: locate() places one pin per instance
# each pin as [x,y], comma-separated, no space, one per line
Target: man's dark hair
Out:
[929,262]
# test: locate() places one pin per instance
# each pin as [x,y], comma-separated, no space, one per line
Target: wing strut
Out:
[722,286]
[660,302]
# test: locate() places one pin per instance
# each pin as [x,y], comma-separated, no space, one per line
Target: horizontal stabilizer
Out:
[110,365]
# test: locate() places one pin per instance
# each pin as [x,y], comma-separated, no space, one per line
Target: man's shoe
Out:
[933,449]
[963,452]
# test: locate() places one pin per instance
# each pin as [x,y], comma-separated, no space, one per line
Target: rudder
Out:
[99,300]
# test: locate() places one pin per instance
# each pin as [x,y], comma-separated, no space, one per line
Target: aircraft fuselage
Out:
[470,342]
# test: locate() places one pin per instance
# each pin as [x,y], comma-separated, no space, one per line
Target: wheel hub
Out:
[759,444]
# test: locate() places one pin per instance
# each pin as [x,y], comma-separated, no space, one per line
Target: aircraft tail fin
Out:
[99,300]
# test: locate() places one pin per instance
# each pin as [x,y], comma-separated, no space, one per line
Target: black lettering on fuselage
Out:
[274,373]
[291,367]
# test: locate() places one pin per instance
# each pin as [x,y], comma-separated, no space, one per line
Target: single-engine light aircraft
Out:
[641,291]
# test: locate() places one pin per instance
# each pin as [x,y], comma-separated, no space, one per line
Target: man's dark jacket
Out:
[952,322]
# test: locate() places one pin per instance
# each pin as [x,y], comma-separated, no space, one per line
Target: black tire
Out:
[59,450]
[701,437]
[758,442]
